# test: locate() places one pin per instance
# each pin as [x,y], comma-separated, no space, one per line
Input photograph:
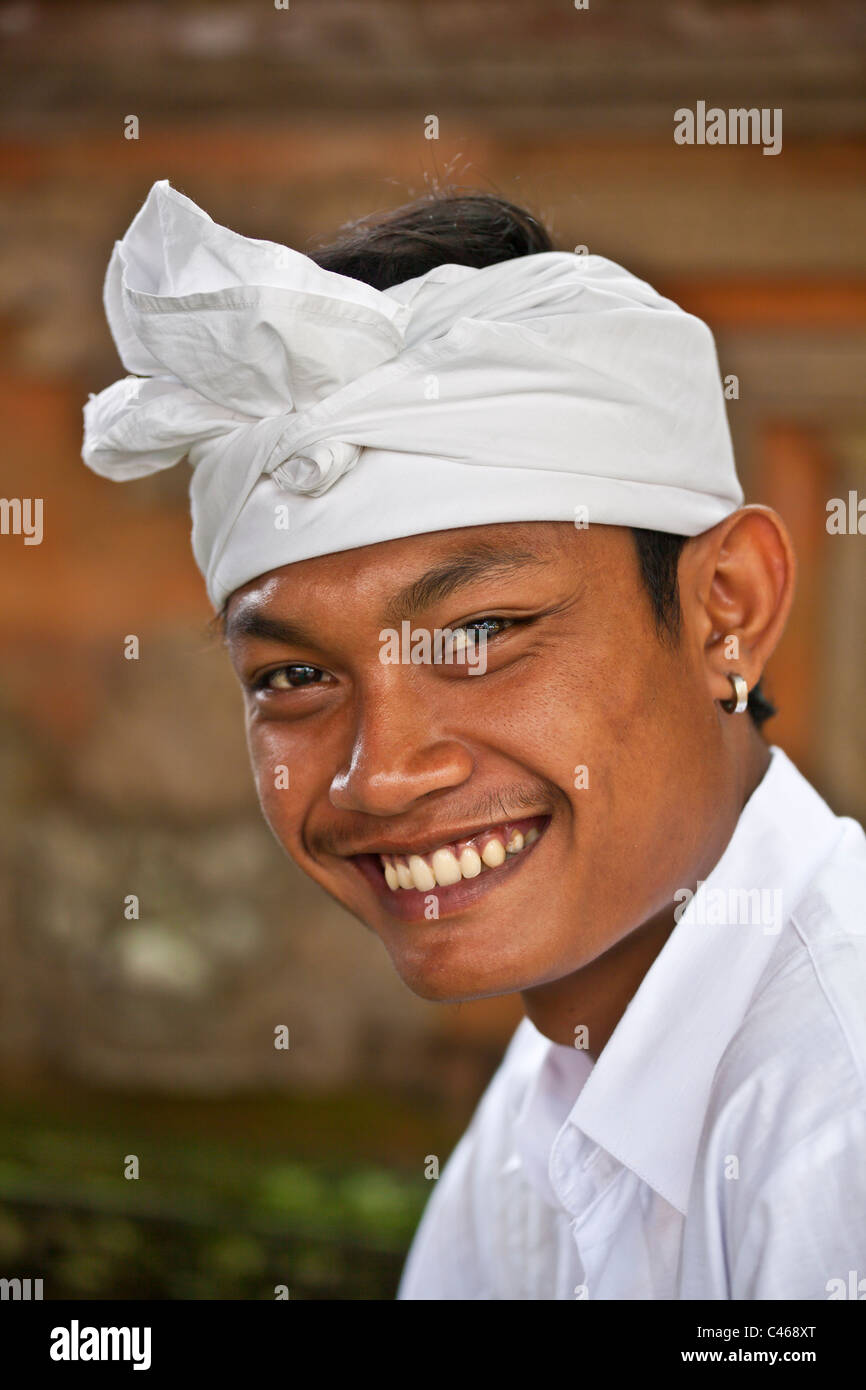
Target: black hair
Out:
[444,228]
[466,227]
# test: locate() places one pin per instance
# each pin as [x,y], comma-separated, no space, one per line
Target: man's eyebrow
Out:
[252,622]
[458,570]
[437,583]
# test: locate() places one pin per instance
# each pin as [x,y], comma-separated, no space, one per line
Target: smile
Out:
[457,878]
[485,851]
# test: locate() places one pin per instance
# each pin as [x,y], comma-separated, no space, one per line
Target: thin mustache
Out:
[502,805]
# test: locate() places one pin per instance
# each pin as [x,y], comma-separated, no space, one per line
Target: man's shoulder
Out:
[777,1206]
[521,1062]
[454,1251]
[797,1062]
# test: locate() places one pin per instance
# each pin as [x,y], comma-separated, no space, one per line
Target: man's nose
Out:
[397,757]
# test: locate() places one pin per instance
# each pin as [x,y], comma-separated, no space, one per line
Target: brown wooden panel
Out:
[794,475]
[763,304]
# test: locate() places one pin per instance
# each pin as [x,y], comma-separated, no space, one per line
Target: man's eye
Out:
[289,678]
[489,627]
[478,631]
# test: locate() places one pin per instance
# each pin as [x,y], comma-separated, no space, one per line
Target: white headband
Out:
[549,387]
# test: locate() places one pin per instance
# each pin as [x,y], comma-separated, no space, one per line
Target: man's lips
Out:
[412,903]
[434,839]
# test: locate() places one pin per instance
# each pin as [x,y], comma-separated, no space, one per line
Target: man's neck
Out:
[596,997]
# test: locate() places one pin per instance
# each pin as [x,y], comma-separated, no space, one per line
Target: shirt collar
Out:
[645,1099]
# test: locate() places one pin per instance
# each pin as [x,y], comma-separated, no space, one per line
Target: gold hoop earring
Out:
[740,699]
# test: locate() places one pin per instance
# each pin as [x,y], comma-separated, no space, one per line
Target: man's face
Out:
[585,738]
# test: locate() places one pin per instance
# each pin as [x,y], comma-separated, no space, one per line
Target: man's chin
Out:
[442,977]
[453,990]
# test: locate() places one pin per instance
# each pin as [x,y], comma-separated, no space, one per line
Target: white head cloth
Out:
[321,414]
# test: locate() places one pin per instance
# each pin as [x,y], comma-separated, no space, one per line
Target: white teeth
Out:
[493,854]
[422,874]
[470,862]
[446,868]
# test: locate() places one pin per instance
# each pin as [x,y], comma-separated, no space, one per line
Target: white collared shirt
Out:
[717,1147]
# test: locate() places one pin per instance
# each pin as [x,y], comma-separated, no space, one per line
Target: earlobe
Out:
[745,572]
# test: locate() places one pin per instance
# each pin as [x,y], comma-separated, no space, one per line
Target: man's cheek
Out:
[276,782]
[273,806]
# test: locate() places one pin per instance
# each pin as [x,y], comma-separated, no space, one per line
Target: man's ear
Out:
[736,588]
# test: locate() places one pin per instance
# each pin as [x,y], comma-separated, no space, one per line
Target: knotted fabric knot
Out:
[317,468]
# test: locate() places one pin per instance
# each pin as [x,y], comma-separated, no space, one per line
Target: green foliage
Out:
[207,1218]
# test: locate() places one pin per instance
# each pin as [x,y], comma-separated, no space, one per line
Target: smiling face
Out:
[585,740]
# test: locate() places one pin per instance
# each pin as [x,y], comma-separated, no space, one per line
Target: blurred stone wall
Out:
[131,777]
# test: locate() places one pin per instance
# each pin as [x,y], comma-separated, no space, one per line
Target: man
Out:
[468,509]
